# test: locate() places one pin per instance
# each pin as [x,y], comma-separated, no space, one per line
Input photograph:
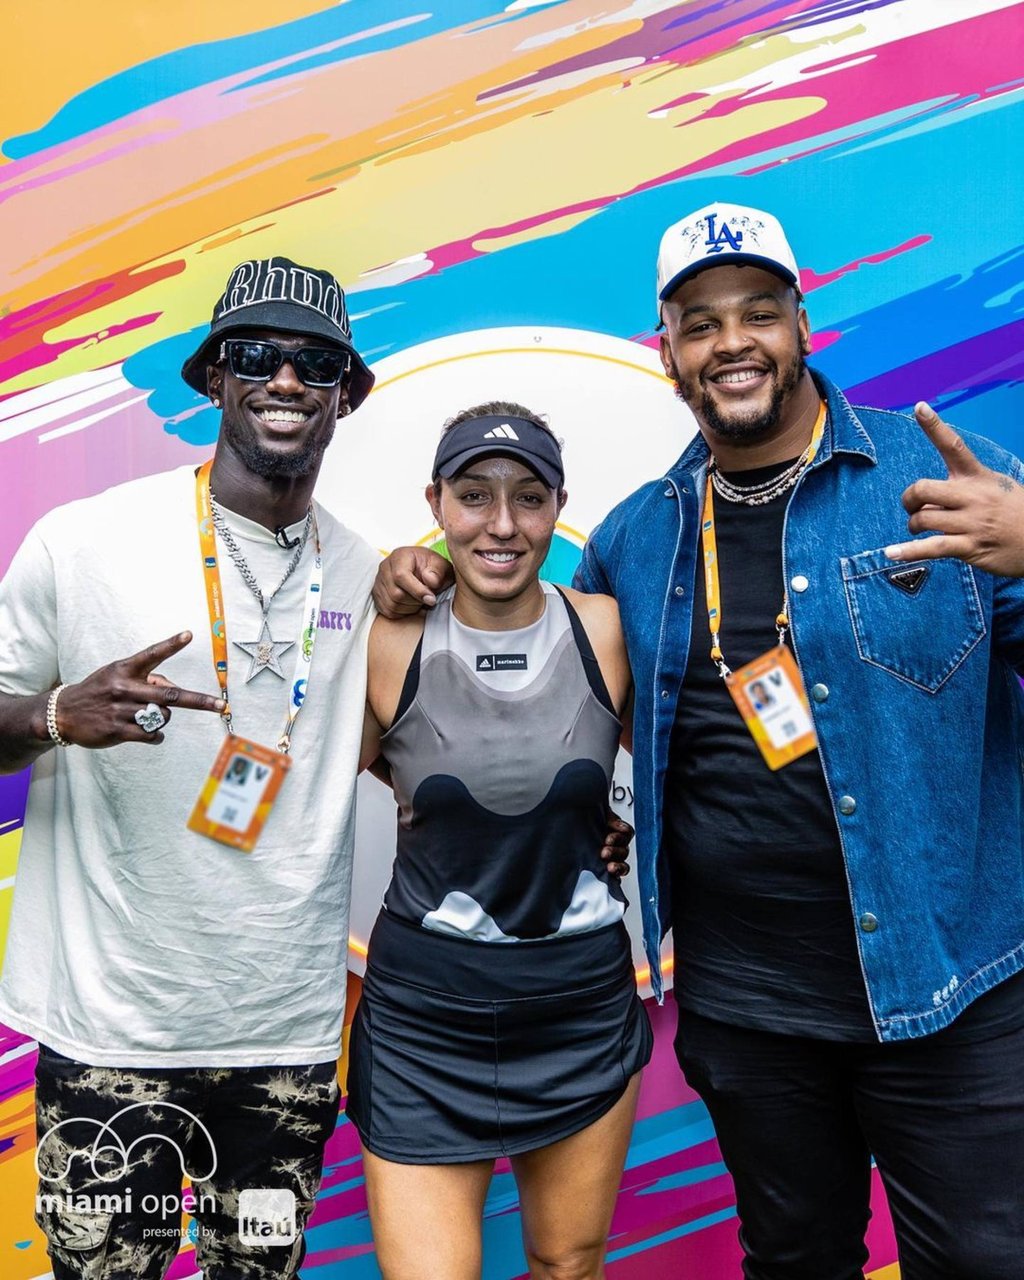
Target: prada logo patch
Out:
[501,662]
[909,581]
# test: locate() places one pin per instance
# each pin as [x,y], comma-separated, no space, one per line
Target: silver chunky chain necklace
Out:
[756,495]
[265,652]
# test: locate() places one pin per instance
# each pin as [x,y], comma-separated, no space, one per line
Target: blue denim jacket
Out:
[919,715]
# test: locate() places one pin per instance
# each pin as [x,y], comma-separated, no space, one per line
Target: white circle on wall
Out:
[621,423]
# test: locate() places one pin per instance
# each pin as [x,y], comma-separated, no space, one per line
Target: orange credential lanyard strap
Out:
[211,580]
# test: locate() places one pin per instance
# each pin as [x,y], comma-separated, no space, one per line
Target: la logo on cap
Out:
[724,238]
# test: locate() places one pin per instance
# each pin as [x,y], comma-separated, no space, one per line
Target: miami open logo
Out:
[112,1160]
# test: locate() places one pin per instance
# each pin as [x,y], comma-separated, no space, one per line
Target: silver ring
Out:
[150,718]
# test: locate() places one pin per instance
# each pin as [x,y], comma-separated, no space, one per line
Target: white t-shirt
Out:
[134,941]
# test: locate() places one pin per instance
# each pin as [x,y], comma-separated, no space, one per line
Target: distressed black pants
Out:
[115,1143]
[798,1120]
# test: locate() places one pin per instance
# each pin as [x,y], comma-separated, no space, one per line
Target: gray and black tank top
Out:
[501,756]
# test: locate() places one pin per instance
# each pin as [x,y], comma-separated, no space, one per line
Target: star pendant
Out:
[265,652]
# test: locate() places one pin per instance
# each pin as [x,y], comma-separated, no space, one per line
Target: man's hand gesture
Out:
[100,710]
[976,515]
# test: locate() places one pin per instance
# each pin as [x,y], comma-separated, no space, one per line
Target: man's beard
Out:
[756,425]
[270,464]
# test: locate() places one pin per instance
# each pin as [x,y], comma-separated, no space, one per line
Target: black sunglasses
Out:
[255,360]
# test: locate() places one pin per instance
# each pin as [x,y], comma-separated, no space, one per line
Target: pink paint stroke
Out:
[811,280]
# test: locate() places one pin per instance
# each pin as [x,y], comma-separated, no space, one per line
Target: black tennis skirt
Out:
[464,1050]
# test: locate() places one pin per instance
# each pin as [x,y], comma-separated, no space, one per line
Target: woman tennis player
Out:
[499,1014]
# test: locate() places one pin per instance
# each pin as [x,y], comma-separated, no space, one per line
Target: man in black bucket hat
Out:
[179,931]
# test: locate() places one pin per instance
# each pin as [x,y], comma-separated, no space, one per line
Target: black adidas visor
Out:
[494,436]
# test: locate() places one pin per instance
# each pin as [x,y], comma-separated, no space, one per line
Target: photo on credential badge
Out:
[240,792]
[761,697]
[238,771]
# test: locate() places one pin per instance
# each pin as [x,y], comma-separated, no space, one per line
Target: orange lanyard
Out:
[211,579]
[712,587]
[215,605]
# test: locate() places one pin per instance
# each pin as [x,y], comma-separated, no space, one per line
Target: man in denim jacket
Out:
[849,926]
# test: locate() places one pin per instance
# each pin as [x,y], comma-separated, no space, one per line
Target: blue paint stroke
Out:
[685,1178]
[668,1133]
[997,414]
[948,312]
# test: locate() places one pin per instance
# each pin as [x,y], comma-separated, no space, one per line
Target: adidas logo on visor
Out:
[504,432]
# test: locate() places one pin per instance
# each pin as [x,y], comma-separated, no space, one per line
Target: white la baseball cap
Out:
[722,235]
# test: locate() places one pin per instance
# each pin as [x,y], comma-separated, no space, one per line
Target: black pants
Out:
[114,1143]
[798,1120]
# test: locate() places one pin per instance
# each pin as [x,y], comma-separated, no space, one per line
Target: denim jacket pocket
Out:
[916,619]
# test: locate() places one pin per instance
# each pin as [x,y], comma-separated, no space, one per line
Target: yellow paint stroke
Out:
[52,55]
[6,899]
[891,1272]
[10,843]
[425,193]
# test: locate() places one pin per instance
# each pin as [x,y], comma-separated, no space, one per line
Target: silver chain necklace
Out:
[756,495]
[265,652]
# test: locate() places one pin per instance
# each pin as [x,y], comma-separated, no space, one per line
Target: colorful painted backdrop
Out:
[469,165]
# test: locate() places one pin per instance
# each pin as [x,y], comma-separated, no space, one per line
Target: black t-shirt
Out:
[764,932]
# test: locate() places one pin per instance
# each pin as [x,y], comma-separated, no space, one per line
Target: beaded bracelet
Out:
[51,717]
